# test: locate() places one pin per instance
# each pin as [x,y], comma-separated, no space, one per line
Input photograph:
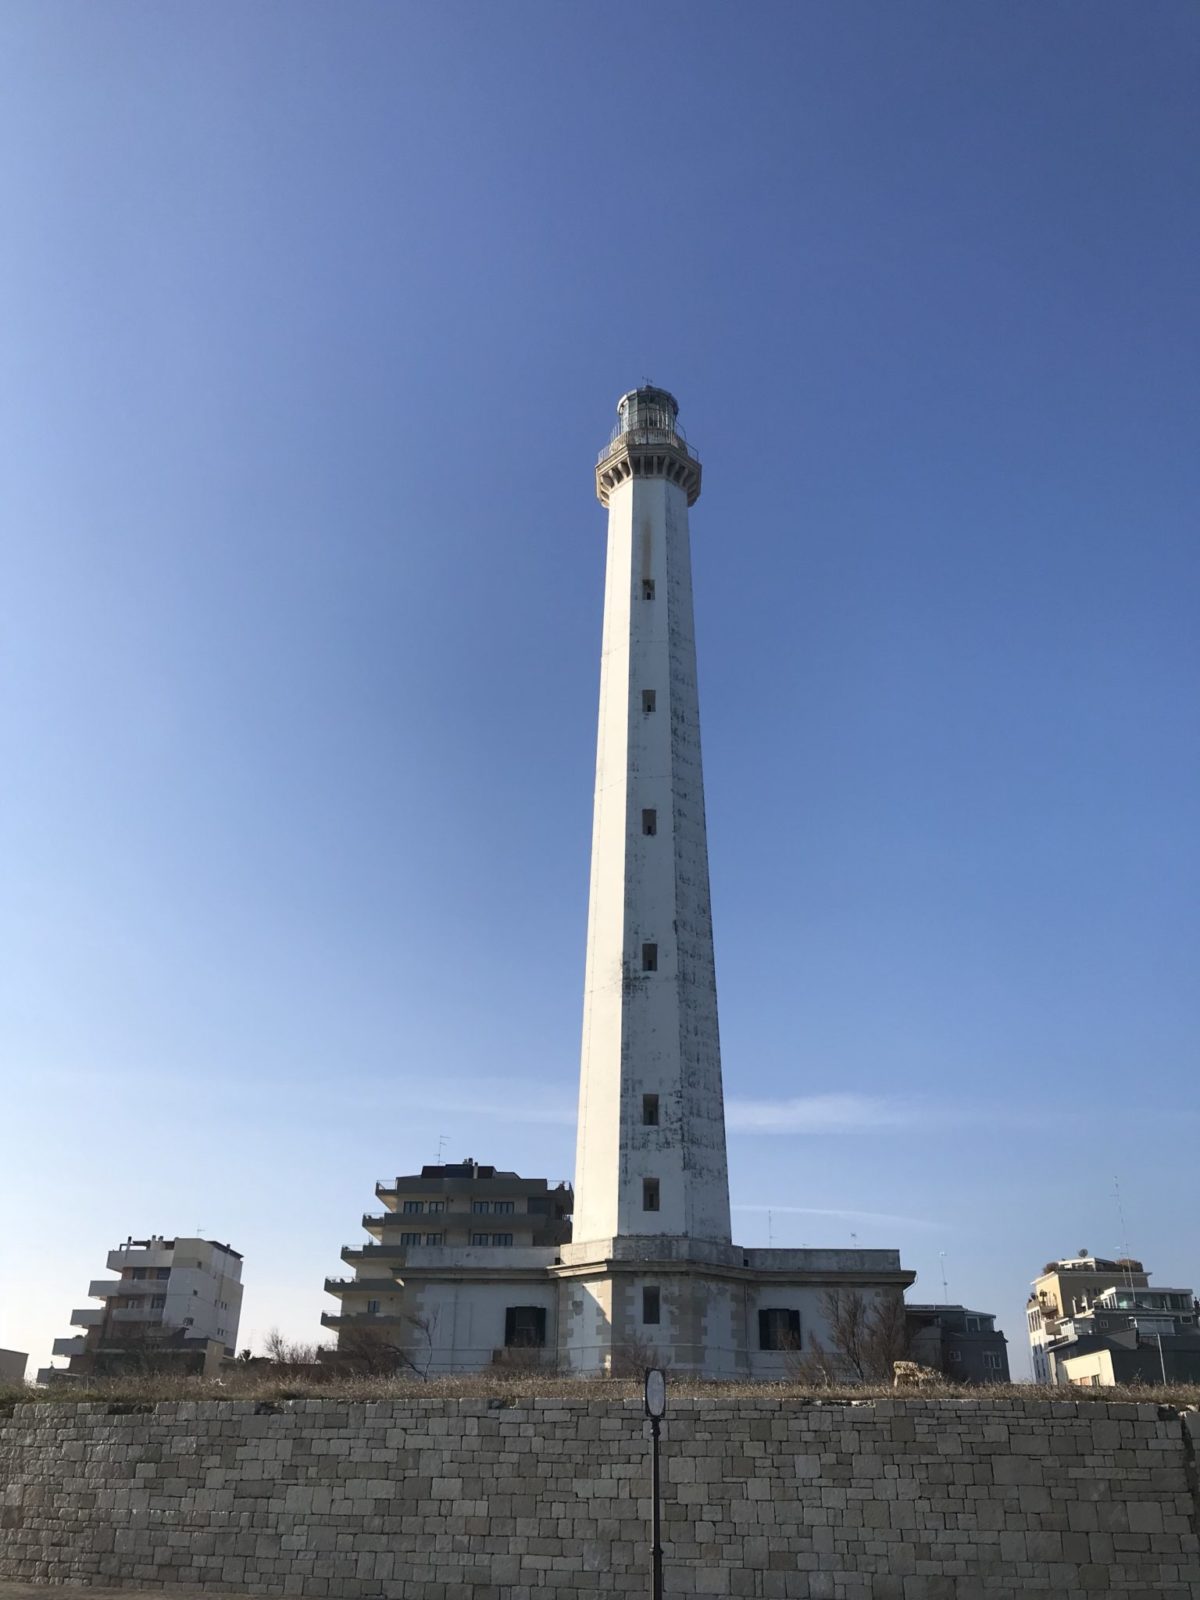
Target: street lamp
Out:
[656,1410]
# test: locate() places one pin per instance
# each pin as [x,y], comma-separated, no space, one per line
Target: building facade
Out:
[457,1276]
[12,1366]
[966,1345]
[1129,1335]
[1066,1288]
[651,1271]
[175,1303]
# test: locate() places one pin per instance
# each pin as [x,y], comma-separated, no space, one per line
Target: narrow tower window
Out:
[647,701]
[649,1194]
[649,1111]
[650,823]
[647,588]
[649,958]
[651,1309]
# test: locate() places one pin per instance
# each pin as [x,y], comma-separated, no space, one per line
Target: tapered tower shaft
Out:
[651,1153]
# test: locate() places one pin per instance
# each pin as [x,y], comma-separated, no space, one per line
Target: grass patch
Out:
[514,1389]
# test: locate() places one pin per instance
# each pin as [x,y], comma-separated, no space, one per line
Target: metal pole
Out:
[1162,1360]
[656,1546]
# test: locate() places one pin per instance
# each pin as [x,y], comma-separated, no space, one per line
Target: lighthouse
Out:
[650,1158]
[646,1272]
[651,1275]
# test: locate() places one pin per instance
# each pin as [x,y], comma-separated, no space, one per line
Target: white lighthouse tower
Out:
[651,1271]
[651,1143]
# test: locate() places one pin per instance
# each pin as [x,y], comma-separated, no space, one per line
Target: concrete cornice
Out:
[647,453]
[610,1267]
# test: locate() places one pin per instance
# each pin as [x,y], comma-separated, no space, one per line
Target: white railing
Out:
[646,436]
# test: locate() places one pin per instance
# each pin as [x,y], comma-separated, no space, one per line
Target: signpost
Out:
[656,1409]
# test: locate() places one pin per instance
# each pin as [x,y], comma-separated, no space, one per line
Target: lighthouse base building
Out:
[650,1274]
[721,1312]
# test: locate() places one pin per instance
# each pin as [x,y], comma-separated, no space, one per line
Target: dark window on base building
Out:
[651,1306]
[525,1327]
[779,1329]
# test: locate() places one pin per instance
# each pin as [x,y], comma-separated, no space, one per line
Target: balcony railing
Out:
[106,1288]
[368,1286]
[649,436]
[358,1319]
[412,1220]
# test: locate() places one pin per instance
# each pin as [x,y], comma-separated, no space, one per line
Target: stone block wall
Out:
[484,1500]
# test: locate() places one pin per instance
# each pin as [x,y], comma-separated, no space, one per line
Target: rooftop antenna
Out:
[770,1229]
[443,1140]
[1124,1231]
[945,1285]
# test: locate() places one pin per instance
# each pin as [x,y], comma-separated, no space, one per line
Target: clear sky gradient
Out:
[314,321]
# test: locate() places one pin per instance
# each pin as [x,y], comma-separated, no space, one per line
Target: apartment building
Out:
[1130,1336]
[462,1248]
[12,1366]
[966,1345]
[174,1304]
[1095,1321]
[1066,1288]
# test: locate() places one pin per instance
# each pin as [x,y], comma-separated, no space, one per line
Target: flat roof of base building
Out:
[435,1175]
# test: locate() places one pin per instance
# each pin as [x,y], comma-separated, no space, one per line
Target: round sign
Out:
[656,1393]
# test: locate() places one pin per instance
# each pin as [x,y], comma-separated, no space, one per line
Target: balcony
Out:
[367,1286]
[144,1314]
[68,1347]
[106,1288]
[426,1221]
[154,1256]
[87,1317]
[670,437]
[364,1319]
[377,1252]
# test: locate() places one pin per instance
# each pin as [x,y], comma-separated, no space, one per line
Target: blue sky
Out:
[315,320]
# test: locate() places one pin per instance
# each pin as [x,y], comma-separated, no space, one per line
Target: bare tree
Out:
[866,1338]
[634,1356]
[374,1351]
[288,1353]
